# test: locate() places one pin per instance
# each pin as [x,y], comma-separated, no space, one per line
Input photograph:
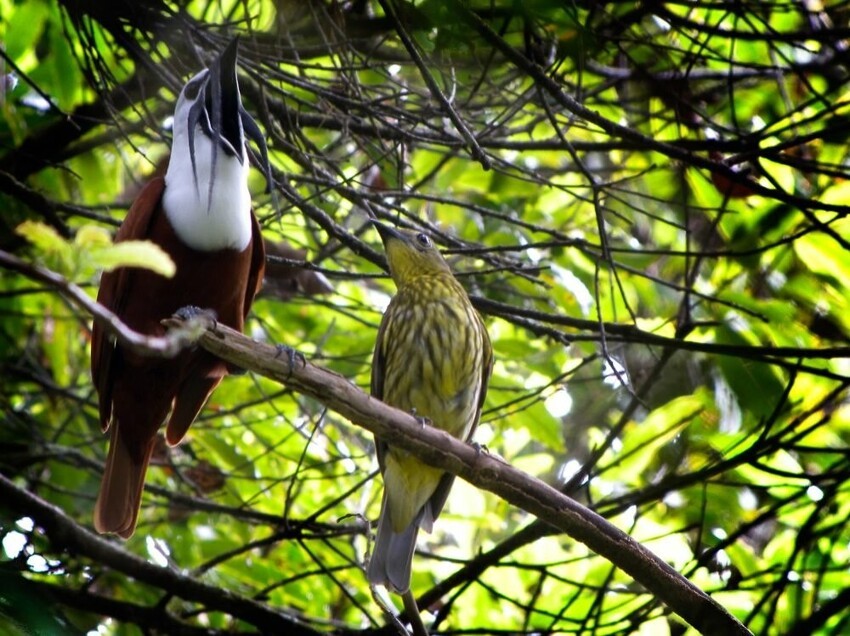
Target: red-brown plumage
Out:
[136,393]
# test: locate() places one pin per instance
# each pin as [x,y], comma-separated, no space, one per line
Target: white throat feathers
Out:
[203,222]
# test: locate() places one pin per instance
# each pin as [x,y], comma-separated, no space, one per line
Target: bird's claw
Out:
[193,311]
[189,322]
[423,421]
[291,356]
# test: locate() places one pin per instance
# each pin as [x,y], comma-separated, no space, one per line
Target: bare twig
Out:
[462,128]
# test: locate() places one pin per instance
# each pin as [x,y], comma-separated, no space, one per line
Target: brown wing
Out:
[201,378]
[113,287]
[258,264]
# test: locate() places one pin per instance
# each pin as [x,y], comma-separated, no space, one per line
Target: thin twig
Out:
[474,148]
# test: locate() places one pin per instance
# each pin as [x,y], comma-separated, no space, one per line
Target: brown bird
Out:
[200,213]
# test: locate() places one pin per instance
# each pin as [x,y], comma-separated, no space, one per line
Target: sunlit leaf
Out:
[133,254]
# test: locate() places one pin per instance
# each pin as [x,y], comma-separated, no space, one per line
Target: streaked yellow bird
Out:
[433,358]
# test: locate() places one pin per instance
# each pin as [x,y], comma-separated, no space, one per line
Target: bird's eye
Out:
[423,239]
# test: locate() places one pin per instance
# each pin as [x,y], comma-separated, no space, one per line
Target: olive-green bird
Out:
[432,358]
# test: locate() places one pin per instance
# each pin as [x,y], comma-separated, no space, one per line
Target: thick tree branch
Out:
[480,469]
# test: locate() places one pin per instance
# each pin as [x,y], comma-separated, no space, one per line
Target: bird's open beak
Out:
[221,115]
[218,107]
[236,122]
[224,103]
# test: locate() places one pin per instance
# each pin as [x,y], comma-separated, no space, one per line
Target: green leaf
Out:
[757,386]
[42,236]
[24,27]
[92,247]
[134,254]
[67,72]
[47,240]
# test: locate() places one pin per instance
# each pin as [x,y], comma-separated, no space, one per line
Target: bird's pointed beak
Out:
[236,122]
[388,233]
[224,103]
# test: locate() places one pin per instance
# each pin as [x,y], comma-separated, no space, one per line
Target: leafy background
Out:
[647,202]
